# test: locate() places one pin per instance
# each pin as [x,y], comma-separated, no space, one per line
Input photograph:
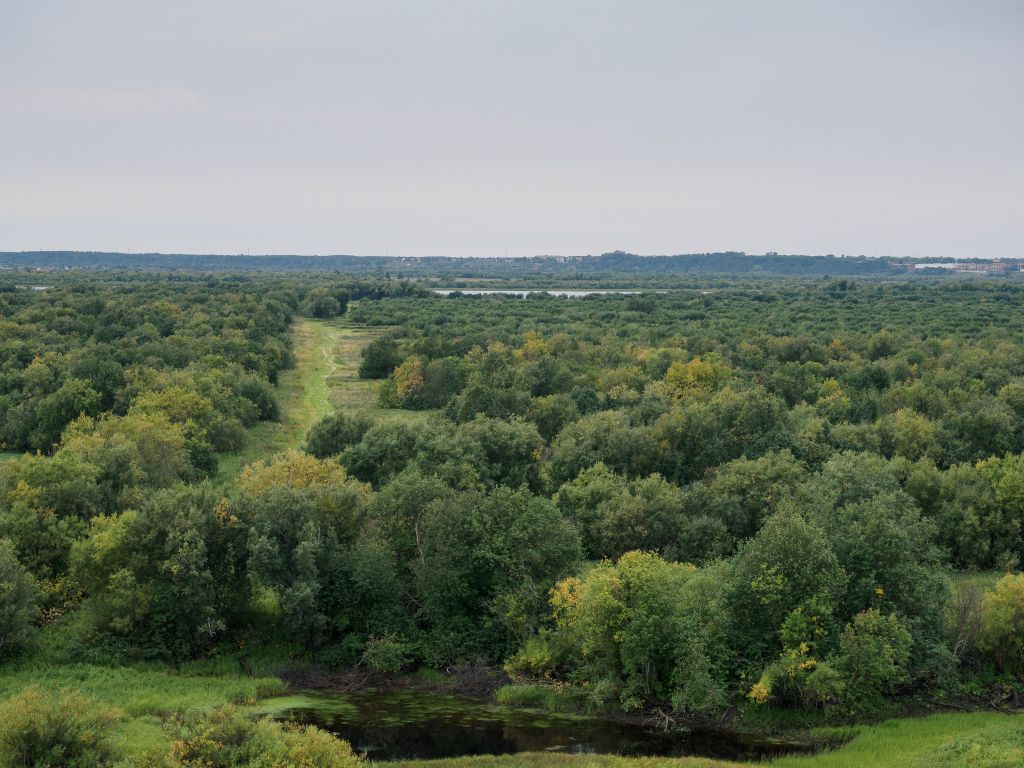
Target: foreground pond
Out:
[416,725]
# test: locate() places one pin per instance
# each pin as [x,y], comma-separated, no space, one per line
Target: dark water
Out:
[411,725]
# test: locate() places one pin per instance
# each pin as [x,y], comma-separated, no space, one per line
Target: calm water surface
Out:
[565,294]
[418,725]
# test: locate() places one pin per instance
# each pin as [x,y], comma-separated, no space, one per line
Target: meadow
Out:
[324,380]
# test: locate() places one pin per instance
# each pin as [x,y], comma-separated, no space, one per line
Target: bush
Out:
[19,601]
[379,358]
[626,632]
[386,653]
[1002,624]
[333,434]
[872,659]
[539,656]
[227,737]
[41,729]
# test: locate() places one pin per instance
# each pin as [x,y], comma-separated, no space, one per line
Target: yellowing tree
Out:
[696,377]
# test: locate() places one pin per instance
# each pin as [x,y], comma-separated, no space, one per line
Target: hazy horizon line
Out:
[282,254]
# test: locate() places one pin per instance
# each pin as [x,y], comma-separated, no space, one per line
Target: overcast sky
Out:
[485,127]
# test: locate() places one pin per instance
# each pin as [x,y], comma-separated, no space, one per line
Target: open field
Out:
[344,390]
[325,379]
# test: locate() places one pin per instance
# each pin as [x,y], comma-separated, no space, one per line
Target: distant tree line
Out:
[614,265]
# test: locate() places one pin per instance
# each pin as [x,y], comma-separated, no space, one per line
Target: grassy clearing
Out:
[325,379]
[144,695]
[975,739]
[927,742]
[347,392]
[302,393]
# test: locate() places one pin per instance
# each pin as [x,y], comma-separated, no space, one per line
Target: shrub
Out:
[1002,624]
[539,656]
[42,729]
[386,653]
[333,434]
[624,627]
[227,737]
[379,358]
[19,601]
[872,658]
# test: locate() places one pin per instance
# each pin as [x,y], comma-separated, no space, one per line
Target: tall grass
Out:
[302,393]
[550,698]
[144,696]
[138,691]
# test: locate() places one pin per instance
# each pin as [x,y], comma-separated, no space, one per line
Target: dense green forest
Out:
[617,266]
[796,499]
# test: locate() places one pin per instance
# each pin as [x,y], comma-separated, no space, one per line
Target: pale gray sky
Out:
[480,127]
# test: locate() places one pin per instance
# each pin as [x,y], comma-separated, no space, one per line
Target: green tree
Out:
[487,563]
[383,452]
[336,432]
[304,516]
[551,413]
[872,659]
[379,358]
[629,629]
[56,411]
[19,601]
[504,452]
[741,493]
[788,565]
[1002,624]
[168,579]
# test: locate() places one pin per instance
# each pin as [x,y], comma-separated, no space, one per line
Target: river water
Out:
[417,725]
[565,294]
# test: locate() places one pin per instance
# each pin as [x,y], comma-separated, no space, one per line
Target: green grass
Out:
[325,379]
[969,739]
[144,695]
[924,741]
[550,698]
[302,392]
[347,392]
